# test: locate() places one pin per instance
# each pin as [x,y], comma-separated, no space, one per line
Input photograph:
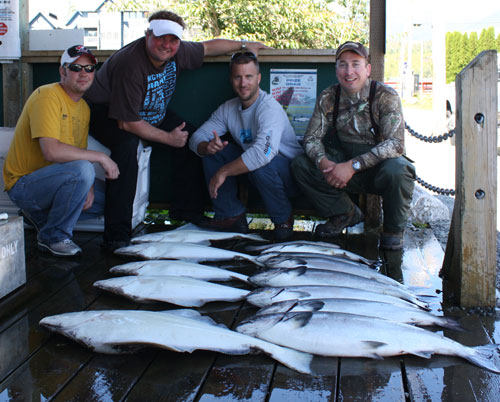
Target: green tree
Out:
[278,23]
[487,39]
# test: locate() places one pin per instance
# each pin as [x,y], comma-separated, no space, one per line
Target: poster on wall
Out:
[10,41]
[295,90]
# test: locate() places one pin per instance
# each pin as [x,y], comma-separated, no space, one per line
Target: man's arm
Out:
[175,138]
[233,168]
[218,47]
[55,151]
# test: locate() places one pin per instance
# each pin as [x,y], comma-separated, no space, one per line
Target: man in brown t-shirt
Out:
[129,101]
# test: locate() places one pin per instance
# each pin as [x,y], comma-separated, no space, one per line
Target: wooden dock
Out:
[37,365]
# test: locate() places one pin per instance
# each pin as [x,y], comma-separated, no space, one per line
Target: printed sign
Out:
[296,91]
[10,41]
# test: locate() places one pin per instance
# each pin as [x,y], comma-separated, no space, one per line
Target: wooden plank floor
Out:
[36,365]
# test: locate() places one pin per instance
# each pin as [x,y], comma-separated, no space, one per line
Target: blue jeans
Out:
[273,181]
[54,196]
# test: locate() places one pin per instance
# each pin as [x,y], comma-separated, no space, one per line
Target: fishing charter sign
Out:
[10,41]
[296,91]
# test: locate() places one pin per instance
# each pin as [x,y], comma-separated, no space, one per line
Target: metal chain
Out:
[432,139]
[435,189]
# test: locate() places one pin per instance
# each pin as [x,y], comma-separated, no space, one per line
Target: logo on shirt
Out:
[245,136]
[159,90]
[268,148]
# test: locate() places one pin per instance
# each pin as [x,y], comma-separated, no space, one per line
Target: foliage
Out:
[281,24]
[461,49]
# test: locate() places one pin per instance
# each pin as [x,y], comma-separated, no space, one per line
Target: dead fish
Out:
[308,276]
[193,236]
[327,263]
[262,247]
[177,268]
[269,295]
[118,331]
[350,335]
[182,251]
[182,291]
[318,249]
[370,308]
[280,260]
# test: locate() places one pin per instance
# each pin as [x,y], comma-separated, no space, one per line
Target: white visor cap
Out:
[166,27]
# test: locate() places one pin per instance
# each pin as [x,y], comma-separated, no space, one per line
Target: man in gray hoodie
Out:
[264,145]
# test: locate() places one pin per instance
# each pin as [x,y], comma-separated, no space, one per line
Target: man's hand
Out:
[111,170]
[89,200]
[177,137]
[254,47]
[336,174]
[215,182]
[215,145]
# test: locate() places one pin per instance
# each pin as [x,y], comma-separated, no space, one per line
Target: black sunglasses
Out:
[237,55]
[76,68]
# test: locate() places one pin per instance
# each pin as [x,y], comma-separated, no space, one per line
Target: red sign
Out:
[3,28]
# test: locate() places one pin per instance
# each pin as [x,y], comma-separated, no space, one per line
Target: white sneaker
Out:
[65,248]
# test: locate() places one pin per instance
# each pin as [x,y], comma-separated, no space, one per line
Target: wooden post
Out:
[469,268]
[371,202]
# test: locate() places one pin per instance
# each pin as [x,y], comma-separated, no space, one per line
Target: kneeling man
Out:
[264,144]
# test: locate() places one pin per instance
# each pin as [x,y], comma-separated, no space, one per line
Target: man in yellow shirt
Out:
[48,171]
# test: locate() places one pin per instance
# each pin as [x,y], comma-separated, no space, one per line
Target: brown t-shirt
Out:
[133,88]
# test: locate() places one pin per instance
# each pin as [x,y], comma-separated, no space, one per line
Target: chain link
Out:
[434,139]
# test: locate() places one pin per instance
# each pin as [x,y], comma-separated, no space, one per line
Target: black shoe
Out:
[391,241]
[283,231]
[29,220]
[237,224]
[112,245]
[336,224]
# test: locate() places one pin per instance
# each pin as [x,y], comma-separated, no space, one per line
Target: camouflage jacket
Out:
[353,123]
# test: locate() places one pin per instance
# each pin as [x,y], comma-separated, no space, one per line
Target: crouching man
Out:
[264,145]
[48,171]
[354,144]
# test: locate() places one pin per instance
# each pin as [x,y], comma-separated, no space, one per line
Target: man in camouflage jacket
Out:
[350,157]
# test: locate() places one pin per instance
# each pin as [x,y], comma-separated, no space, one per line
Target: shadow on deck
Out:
[37,365]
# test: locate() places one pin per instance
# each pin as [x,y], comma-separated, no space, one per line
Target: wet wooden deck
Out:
[36,365]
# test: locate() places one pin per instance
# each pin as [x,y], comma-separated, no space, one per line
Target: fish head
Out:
[263,296]
[68,320]
[279,307]
[258,323]
[263,278]
[282,261]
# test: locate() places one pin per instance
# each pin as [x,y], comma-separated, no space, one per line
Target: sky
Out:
[454,15]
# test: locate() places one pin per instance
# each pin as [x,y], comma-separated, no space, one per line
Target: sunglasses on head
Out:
[76,68]
[237,55]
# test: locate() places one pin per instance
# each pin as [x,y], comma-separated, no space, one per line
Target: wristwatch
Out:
[356,165]
[243,45]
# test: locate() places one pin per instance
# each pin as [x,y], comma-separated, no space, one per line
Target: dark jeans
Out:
[187,182]
[392,179]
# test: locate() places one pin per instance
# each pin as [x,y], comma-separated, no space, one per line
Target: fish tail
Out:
[450,323]
[484,356]
[294,359]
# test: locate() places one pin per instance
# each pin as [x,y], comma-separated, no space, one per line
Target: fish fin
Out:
[375,344]
[291,358]
[294,272]
[298,319]
[313,305]
[485,356]
[194,315]
[422,353]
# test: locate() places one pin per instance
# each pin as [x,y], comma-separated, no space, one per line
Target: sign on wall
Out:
[10,41]
[295,90]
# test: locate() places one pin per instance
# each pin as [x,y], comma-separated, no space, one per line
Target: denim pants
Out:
[273,182]
[54,196]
